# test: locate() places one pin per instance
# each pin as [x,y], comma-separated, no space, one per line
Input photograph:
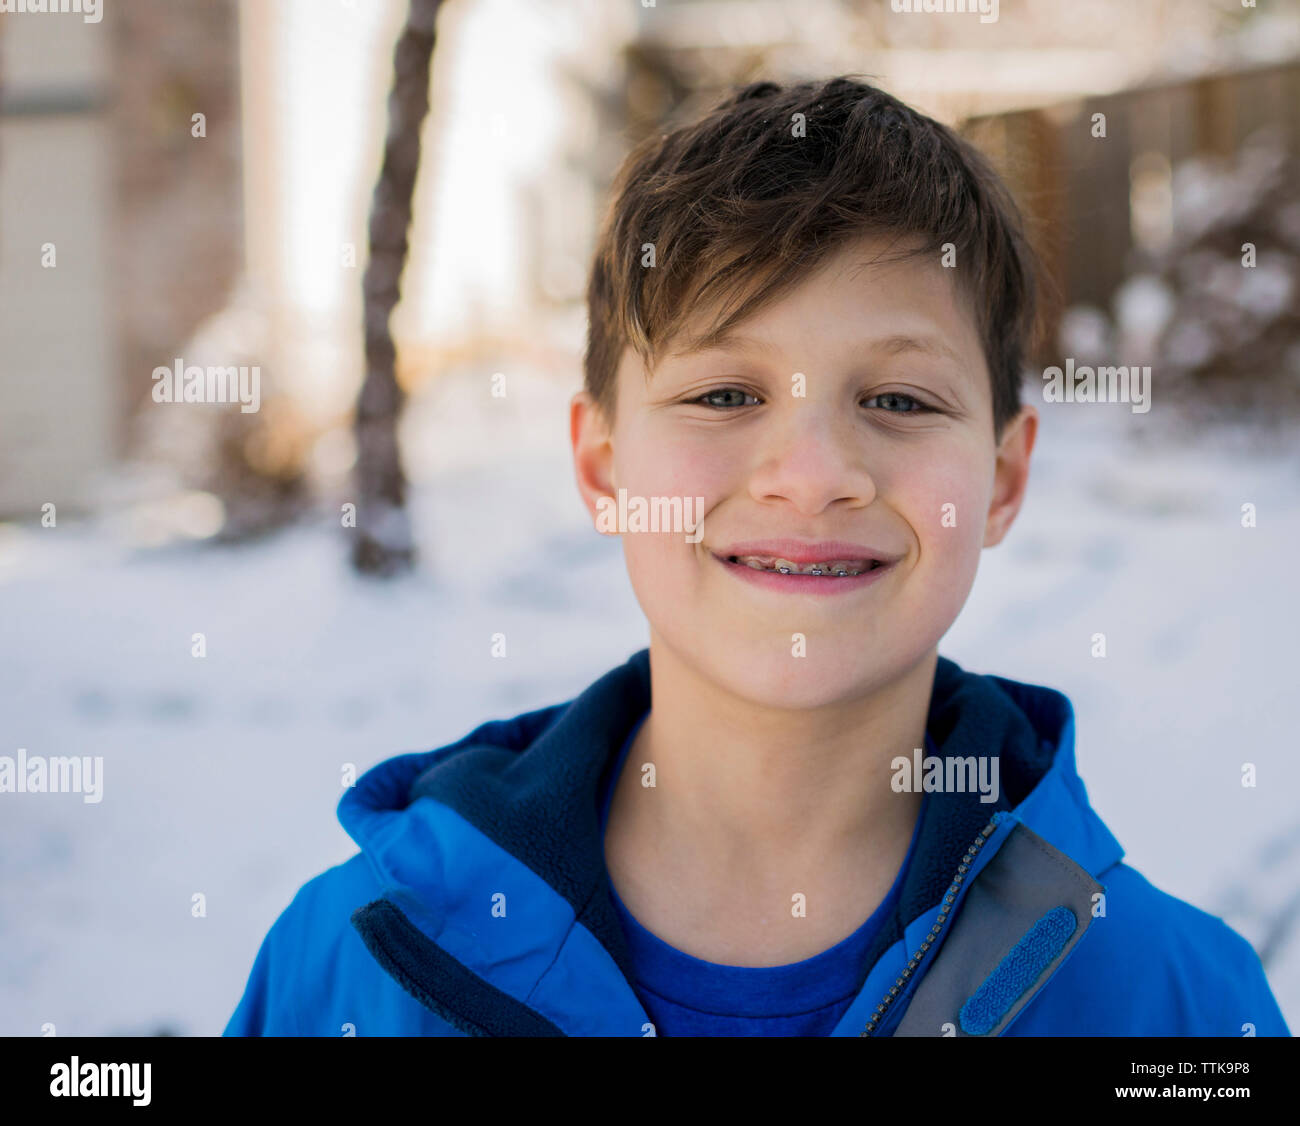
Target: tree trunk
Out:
[383,544]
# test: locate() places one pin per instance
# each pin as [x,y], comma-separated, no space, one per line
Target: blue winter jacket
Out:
[479,903]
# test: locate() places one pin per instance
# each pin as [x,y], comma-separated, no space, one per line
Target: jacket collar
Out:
[531,785]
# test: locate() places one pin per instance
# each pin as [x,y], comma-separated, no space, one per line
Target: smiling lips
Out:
[832,568]
[812,567]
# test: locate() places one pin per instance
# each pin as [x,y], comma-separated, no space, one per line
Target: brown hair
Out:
[738,205]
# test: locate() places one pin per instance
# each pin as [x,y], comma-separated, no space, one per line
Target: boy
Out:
[808,316]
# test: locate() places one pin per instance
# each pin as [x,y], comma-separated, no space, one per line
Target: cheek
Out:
[946,504]
[663,464]
[670,461]
[697,467]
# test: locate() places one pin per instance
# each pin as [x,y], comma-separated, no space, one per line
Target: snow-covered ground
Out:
[222,773]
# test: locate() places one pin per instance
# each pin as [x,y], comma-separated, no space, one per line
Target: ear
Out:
[1011,474]
[593,450]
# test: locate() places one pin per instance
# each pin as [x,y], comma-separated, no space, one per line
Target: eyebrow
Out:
[718,340]
[925,344]
[894,345]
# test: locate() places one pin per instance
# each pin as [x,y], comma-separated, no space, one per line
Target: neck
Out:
[752,802]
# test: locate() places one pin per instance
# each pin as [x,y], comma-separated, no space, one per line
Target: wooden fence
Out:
[1075,187]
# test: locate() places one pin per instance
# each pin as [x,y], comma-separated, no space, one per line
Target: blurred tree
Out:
[383,544]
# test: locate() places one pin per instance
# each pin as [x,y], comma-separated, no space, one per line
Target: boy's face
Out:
[844,465]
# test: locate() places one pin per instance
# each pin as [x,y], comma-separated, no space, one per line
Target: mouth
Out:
[827,568]
[793,567]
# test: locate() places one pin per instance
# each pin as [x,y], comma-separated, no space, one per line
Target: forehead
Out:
[890,291]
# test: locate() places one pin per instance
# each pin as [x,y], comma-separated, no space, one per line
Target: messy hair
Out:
[745,202]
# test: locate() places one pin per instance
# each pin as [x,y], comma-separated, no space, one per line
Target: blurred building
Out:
[60,406]
[120,228]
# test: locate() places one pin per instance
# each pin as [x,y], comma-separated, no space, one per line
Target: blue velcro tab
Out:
[1035,951]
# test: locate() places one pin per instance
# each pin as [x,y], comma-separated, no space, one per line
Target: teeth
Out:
[835,568]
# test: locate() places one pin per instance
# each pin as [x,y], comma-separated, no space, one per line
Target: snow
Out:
[1143,306]
[222,772]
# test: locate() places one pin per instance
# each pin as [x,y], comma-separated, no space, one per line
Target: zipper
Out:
[945,913]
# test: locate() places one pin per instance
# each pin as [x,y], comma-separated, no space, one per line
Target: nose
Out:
[815,458]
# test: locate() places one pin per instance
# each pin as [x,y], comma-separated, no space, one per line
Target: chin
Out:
[777,679]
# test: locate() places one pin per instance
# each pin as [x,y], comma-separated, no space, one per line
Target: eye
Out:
[895,402]
[734,396]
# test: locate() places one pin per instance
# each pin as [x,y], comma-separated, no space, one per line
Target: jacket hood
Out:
[531,785]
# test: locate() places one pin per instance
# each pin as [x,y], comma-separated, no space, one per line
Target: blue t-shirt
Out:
[685,996]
